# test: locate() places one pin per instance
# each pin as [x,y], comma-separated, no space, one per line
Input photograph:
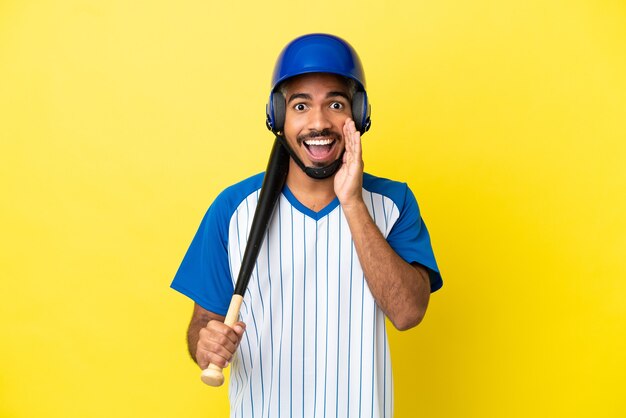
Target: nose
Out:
[319,119]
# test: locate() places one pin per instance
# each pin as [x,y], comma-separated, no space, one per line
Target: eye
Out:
[336,105]
[300,107]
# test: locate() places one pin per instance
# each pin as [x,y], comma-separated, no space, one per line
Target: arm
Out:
[209,340]
[400,289]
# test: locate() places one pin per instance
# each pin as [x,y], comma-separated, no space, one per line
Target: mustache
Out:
[324,133]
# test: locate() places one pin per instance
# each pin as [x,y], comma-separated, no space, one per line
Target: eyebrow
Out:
[299,96]
[306,96]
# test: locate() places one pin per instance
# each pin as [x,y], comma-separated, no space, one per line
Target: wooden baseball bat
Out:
[273,182]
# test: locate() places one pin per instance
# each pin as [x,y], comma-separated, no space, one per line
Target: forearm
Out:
[400,289]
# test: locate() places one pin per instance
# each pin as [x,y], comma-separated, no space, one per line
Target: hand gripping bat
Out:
[273,182]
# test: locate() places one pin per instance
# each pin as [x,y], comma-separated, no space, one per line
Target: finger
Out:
[348,135]
[209,353]
[239,328]
[346,127]
[205,358]
[212,352]
[223,345]
[216,343]
[348,131]
[219,328]
[355,138]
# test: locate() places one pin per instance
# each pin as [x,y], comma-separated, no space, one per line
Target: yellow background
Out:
[121,120]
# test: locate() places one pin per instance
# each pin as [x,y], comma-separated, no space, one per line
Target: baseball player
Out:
[344,251]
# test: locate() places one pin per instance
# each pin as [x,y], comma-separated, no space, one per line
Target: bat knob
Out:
[212,376]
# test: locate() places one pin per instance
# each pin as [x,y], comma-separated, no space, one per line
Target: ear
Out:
[276,112]
[361,111]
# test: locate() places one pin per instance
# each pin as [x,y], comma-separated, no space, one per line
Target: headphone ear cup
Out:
[360,111]
[277,111]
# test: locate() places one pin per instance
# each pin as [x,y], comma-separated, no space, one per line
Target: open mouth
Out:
[319,149]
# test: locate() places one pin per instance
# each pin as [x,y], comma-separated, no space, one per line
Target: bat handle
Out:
[214,375]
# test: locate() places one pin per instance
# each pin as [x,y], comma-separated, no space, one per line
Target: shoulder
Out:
[231,197]
[396,191]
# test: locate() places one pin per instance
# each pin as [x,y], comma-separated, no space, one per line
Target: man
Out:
[344,251]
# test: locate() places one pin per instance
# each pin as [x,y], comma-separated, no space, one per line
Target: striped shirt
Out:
[315,343]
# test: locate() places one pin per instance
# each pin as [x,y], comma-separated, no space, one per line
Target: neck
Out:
[312,193]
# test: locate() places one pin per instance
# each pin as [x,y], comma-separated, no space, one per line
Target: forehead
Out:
[316,81]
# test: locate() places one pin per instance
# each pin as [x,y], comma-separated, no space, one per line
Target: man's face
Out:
[317,106]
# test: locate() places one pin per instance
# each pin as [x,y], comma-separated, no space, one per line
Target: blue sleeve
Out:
[410,239]
[204,274]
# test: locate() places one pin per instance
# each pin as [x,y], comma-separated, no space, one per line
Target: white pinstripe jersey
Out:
[315,343]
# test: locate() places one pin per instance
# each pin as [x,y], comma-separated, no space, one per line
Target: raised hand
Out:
[349,179]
